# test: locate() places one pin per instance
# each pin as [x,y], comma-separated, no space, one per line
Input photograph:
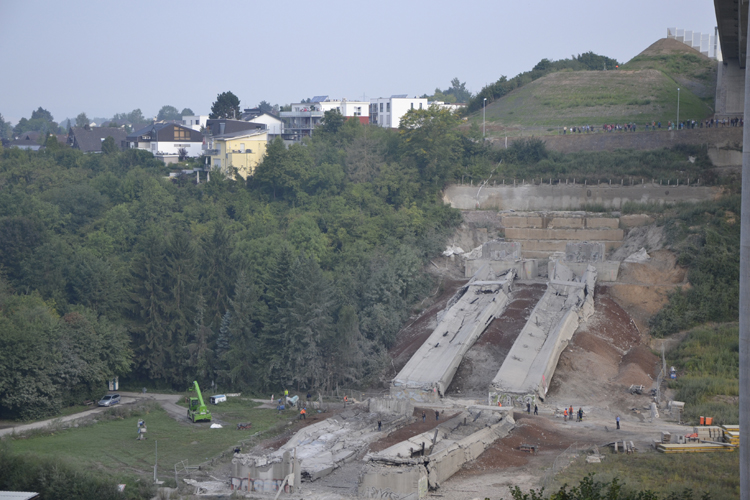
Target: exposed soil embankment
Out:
[411,430]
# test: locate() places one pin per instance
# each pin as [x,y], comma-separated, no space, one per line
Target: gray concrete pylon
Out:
[744,305]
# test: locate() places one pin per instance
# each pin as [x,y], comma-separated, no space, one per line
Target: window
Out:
[242,147]
[181,134]
[412,105]
[388,107]
[381,107]
[420,105]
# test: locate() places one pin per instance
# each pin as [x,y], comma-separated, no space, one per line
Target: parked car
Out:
[109,400]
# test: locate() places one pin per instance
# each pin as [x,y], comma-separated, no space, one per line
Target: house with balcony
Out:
[305,116]
[242,150]
[165,140]
[387,112]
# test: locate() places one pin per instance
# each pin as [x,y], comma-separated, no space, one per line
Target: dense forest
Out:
[299,277]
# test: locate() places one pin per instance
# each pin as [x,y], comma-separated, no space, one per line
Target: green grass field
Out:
[717,473]
[110,445]
[574,98]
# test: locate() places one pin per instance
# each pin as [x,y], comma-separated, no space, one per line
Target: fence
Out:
[564,459]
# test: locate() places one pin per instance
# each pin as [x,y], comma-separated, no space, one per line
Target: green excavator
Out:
[197,410]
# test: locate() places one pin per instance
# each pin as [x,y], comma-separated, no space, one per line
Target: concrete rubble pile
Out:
[531,362]
[500,256]
[320,448]
[430,370]
[409,469]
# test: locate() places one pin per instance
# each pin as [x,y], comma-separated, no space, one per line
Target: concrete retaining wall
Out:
[527,269]
[581,222]
[516,233]
[571,197]
[403,482]
[389,405]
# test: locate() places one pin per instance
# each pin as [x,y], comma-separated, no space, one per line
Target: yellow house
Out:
[241,150]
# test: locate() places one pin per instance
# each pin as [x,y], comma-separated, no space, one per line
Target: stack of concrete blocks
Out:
[580,254]
[429,372]
[403,472]
[542,234]
[502,256]
[258,474]
[529,366]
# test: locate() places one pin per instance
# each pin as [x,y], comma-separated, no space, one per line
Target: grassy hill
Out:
[642,91]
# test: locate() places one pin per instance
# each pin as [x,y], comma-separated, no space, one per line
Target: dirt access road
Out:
[167,401]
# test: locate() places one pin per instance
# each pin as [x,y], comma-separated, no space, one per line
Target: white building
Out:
[450,106]
[387,112]
[165,140]
[196,122]
[274,125]
[304,117]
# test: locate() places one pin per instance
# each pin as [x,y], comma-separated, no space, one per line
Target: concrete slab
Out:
[429,372]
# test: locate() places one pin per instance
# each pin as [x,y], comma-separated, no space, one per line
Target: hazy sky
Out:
[106,57]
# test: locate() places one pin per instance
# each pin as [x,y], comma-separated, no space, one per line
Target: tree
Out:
[333,120]
[82,120]
[226,105]
[431,142]
[243,354]
[265,107]
[42,114]
[187,112]
[6,130]
[458,90]
[168,113]
[108,146]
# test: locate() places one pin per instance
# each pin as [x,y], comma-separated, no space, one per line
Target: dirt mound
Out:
[537,431]
[668,46]
[639,367]
[611,323]
[661,268]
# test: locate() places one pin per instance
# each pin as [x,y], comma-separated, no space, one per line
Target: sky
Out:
[107,57]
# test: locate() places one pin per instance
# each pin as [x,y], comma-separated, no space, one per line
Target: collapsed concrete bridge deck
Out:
[529,366]
[429,372]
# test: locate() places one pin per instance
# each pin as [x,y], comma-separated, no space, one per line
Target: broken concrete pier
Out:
[531,362]
[429,372]
[409,469]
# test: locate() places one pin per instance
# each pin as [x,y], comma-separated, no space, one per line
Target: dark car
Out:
[109,400]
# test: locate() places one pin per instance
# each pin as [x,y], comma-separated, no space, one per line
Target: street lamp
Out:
[678,107]
[484,115]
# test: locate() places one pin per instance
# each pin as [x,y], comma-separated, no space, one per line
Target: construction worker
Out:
[424,416]
[346,400]
[303,414]
[528,407]
[618,422]
[570,412]
[580,414]
[565,415]
[536,410]
[286,393]
[380,425]
[437,415]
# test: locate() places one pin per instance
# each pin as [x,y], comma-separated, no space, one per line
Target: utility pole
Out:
[744,300]
[484,114]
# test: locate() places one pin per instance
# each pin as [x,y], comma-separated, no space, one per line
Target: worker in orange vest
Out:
[346,400]
[303,414]
[565,415]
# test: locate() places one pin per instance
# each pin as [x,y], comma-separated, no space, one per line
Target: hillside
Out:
[688,67]
[641,91]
